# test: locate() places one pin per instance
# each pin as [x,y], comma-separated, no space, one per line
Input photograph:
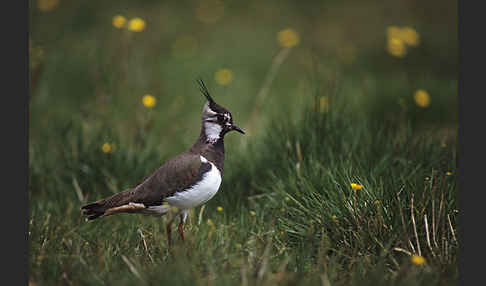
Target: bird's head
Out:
[217,120]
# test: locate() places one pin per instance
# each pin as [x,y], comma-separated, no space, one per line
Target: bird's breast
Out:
[199,193]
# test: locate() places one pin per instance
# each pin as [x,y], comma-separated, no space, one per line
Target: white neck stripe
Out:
[212,130]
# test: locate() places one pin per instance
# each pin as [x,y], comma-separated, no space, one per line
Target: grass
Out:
[309,225]
[317,122]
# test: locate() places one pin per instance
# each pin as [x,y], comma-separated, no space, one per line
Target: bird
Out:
[186,181]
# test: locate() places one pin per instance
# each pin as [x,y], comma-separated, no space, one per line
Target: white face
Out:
[213,131]
[213,125]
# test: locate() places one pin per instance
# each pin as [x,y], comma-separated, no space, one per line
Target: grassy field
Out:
[347,173]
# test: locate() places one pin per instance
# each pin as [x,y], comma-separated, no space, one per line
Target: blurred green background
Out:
[85,69]
[329,92]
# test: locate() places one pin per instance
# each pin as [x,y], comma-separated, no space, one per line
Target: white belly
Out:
[199,193]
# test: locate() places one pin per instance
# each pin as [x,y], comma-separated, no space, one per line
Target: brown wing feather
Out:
[176,175]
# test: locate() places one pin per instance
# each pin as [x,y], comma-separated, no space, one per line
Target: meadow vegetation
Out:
[347,173]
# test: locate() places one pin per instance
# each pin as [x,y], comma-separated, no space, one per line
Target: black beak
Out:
[236,128]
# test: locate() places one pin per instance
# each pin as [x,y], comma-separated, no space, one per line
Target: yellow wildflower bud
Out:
[288,38]
[417,259]
[136,25]
[148,101]
[410,36]
[119,21]
[224,76]
[106,148]
[421,98]
[396,47]
[356,186]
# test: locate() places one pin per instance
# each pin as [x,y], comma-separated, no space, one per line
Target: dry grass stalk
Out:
[452,229]
[145,244]
[131,267]
[266,255]
[199,219]
[441,203]
[428,235]
[402,250]
[78,190]
[414,225]
[402,218]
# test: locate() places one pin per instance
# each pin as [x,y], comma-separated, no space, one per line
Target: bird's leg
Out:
[183,217]
[169,230]
[181,229]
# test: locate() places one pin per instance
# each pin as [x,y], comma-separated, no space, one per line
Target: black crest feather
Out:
[204,90]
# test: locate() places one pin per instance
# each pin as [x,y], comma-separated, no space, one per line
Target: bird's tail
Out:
[102,207]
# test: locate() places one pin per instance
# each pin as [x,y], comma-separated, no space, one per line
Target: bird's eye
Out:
[221,118]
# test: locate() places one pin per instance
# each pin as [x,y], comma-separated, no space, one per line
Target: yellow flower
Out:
[393,32]
[398,39]
[356,186]
[106,148]
[118,21]
[136,25]
[421,98]
[407,34]
[410,36]
[288,38]
[209,11]
[148,101]
[185,46]
[396,47]
[47,5]
[449,173]
[334,218]
[219,209]
[417,259]
[252,213]
[224,76]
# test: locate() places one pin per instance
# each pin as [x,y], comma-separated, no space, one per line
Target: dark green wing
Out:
[176,175]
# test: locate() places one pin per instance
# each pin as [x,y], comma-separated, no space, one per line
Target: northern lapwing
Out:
[186,181]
